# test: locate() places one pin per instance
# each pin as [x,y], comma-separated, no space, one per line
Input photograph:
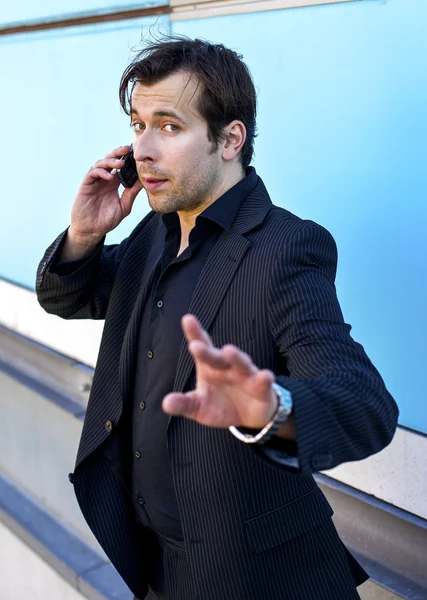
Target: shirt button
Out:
[150,354]
[108,426]
[141,501]
[142,405]
[160,304]
[138,454]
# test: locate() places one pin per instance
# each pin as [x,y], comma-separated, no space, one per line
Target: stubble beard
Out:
[186,196]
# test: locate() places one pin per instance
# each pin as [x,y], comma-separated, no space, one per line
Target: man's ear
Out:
[235,136]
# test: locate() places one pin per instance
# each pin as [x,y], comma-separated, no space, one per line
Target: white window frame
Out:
[200,9]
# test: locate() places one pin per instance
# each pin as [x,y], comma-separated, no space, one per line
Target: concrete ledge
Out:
[72,559]
[62,401]
[63,376]
[390,543]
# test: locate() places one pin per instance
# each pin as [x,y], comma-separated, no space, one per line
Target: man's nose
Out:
[145,147]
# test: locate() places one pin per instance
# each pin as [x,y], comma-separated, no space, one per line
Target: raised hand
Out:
[230,389]
[98,207]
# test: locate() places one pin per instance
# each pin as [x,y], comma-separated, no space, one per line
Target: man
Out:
[195,465]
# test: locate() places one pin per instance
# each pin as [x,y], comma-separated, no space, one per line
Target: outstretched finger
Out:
[209,355]
[239,360]
[263,380]
[182,405]
[193,330]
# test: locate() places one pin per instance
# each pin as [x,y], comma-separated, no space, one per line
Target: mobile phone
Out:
[128,173]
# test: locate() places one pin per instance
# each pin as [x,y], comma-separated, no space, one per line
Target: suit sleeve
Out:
[82,290]
[342,409]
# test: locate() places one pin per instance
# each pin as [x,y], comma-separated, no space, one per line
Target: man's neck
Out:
[187,219]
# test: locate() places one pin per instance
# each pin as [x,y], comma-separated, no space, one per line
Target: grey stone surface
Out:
[38,445]
[70,557]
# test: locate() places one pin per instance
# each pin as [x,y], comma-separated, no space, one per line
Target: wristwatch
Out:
[284,409]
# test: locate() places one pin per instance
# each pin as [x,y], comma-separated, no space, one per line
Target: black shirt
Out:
[173,282]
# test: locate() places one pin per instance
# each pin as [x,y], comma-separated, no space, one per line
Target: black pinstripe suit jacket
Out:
[253,529]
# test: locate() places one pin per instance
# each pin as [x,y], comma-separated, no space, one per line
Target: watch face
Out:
[285,398]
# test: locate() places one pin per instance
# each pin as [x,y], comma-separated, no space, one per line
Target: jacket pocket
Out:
[289,521]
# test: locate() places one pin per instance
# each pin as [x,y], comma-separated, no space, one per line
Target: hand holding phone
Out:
[128,173]
[99,206]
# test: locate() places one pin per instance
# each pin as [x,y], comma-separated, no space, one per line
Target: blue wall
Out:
[342,141]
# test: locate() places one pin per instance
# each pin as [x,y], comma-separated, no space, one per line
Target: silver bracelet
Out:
[284,409]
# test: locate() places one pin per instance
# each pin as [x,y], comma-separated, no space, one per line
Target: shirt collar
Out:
[224,210]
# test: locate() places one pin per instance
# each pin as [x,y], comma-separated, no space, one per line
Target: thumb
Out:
[183,405]
[129,195]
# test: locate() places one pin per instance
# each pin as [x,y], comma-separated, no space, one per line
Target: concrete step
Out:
[38,551]
[38,443]
[41,581]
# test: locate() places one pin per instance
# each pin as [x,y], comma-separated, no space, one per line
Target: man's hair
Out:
[227,91]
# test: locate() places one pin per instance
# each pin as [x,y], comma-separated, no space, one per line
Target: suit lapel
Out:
[216,276]
[219,270]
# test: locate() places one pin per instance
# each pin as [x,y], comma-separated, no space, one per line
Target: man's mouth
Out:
[152,183]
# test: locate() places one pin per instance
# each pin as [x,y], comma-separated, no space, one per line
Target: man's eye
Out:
[137,126]
[172,127]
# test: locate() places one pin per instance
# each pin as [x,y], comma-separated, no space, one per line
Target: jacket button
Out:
[71,477]
[108,426]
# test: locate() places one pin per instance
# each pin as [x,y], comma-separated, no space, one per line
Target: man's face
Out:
[176,162]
